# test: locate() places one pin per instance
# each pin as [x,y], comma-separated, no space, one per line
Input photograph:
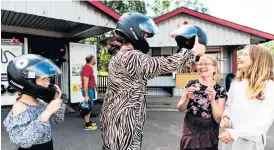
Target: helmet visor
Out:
[149,27]
[85,105]
[45,68]
[186,31]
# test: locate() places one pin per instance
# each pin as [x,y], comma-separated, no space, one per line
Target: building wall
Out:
[70,10]
[227,60]
[167,50]
[217,34]
[160,81]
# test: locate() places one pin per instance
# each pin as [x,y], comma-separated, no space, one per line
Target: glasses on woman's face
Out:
[44,80]
[205,65]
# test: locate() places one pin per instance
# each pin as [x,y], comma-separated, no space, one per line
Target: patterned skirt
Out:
[242,144]
[199,133]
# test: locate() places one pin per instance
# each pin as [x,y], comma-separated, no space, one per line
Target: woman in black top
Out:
[204,100]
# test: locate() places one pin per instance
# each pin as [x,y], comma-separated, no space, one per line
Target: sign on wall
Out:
[10,48]
[78,53]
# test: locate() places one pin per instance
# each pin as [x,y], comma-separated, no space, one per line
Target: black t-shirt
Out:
[200,105]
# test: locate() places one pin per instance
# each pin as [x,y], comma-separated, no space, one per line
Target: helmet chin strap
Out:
[33,81]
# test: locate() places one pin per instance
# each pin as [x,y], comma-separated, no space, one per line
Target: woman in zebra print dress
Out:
[124,109]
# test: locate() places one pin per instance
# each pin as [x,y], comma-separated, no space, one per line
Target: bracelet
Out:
[223,115]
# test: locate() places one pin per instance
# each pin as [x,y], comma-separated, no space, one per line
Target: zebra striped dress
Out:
[124,109]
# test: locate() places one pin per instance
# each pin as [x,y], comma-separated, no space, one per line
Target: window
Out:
[156,51]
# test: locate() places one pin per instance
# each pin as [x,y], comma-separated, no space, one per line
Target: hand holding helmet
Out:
[54,105]
[84,108]
[190,37]
[87,98]
[199,49]
[58,92]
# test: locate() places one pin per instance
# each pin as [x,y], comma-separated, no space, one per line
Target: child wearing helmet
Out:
[124,109]
[29,122]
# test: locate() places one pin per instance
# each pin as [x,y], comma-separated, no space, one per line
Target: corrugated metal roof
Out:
[94,31]
[35,22]
[92,13]
[12,18]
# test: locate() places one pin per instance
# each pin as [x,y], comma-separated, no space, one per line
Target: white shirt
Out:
[250,118]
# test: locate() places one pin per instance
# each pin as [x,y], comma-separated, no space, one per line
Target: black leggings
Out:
[44,146]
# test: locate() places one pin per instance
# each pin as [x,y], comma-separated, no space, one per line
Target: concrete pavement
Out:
[162,132]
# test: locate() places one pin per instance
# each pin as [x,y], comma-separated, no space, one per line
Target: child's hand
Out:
[225,122]
[189,92]
[211,93]
[226,137]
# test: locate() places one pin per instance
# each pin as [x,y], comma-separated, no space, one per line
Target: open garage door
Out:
[77,55]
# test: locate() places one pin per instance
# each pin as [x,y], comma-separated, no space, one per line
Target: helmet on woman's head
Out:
[133,26]
[25,69]
[185,36]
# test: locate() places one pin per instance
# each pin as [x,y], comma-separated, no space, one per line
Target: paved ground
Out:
[162,132]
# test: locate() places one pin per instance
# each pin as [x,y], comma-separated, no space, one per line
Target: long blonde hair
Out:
[258,72]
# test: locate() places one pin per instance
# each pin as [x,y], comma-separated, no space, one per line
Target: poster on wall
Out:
[10,48]
[76,69]
[78,53]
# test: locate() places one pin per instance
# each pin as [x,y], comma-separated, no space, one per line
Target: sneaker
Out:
[90,126]
[92,123]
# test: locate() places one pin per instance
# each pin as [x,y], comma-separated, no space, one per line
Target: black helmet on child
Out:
[185,36]
[25,69]
[84,108]
[133,26]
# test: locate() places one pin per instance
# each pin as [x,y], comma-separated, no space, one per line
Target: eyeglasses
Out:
[206,65]
[45,80]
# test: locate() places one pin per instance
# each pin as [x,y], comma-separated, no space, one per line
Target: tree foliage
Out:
[127,6]
[160,7]
[195,5]
[270,46]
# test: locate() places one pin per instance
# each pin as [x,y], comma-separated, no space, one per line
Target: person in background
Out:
[228,79]
[88,89]
[204,100]
[29,122]
[249,111]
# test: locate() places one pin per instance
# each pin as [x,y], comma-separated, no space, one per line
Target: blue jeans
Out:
[91,95]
